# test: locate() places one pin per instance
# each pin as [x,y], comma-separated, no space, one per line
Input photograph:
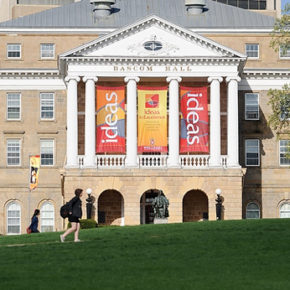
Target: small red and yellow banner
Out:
[34,171]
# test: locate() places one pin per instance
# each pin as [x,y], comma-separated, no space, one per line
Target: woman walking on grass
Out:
[75,213]
[34,222]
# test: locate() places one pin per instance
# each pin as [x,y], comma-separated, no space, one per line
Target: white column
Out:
[72,122]
[215,122]
[131,124]
[233,122]
[173,132]
[90,121]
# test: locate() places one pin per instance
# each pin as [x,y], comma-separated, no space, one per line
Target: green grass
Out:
[207,255]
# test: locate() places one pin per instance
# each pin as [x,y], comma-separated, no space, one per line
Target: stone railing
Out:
[152,161]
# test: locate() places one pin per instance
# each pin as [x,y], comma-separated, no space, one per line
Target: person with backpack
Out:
[34,222]
[74,215]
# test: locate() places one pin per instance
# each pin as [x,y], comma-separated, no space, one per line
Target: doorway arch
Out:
[111,208]
[195,206]
[146,209]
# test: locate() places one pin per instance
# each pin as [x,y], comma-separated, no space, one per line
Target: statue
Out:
[160,205]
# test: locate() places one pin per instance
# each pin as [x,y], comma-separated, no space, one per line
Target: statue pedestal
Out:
[160,221]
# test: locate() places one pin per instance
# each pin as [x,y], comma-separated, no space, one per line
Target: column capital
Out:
[233,78]
[218,78]
[136,79]
[169,79]
[68,78]
[93,78]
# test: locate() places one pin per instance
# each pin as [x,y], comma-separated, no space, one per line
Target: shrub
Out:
[86,224]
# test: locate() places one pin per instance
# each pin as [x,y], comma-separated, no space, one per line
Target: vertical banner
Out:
[110,119]
[194,121]
[34,162]
[152,119]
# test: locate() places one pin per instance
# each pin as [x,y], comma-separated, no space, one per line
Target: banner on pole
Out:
[34,162]
[194,121]
[152,119]
[110,120]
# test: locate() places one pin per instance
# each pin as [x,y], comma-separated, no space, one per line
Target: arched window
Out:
[13,218]
[285,210]
[252,211]
[47,217]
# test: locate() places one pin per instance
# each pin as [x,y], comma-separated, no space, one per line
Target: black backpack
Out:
[64,210]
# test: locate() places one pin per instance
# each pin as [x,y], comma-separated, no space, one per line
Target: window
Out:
[284,149]
[13,152]
[252,152]
[46,152]
[13,106]
[47,106]
[47,217]
[252,211]
[251,106]
[252,50]
[284,51]
[47,50]
[14,51]
[13,218]
[285,210]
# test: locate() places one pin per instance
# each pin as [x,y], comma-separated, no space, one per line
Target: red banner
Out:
[194,121]
[110,120]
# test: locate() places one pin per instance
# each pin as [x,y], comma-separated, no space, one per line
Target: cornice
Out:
[26,74]
[92,60]
[266,74]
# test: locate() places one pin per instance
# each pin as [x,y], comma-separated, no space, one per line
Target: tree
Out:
[281,32]
[280,103]
[280,99]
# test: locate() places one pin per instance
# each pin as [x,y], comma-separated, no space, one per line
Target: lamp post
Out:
[218,205]
[89,204]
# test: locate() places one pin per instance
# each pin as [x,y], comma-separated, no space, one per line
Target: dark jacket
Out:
[34,225]
[75,207]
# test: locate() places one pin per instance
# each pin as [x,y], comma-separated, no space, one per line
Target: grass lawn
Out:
[246,254]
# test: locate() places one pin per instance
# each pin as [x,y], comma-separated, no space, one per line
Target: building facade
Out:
[54,66]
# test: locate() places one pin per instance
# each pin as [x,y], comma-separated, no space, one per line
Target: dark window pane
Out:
[263,5]
[233,2]
[243,4]
[254,4]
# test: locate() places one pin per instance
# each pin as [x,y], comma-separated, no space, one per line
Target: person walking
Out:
[75,213]
[34,222]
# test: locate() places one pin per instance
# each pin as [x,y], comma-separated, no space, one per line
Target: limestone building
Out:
[130,97]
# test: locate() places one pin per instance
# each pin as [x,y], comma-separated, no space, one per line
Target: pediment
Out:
[153,37]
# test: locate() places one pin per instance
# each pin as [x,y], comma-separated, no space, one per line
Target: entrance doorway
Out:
[146,208]
[195,206]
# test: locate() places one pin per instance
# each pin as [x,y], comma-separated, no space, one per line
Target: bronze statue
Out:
[160,205]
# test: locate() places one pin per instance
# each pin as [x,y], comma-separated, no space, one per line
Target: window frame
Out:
[259,154]
[53,106]
[47,202]
[7,51]
[20,161]
[259,209]
[283,165]
[284,203]
[281,56]
[47,57]
[11,203]
[53,152]
[20,105]
[258,109]
[252,57]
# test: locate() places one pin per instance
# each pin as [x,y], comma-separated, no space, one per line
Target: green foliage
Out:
[86,224]
[223,255]
[281,32]
[280,104]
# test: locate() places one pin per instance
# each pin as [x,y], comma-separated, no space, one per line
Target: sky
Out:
[283,2]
